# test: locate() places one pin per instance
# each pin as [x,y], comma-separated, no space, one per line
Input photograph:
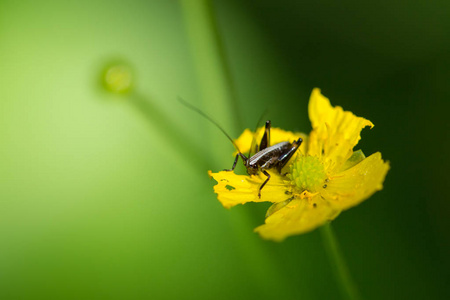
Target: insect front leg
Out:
[264,183]
[236,160]
[234,164]
[265,141]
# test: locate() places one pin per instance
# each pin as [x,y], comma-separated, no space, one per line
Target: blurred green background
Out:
[101,198]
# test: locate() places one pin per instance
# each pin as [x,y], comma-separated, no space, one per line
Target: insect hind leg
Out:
[287,156]
[265,141]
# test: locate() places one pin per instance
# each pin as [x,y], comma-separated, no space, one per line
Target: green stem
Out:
[346,284]
[117,78]
[213,74]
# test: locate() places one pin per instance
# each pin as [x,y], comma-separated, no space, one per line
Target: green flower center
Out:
[307,173]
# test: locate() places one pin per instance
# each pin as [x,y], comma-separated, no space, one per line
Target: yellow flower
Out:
[324,177]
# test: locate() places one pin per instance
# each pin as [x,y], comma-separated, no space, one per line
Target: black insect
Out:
[267,157]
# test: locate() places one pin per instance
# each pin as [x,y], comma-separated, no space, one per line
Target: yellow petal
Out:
[352,186]
[233,189]
[298,216]
[335,131]
[277,135]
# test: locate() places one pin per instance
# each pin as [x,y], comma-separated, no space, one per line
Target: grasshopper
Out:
[267,157]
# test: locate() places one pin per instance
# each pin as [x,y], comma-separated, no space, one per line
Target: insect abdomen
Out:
[265,155]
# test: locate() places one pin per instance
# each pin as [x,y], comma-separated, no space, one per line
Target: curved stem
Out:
[192,154]
[213,73]
[346,284]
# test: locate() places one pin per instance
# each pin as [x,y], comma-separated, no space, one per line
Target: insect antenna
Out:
[192,107]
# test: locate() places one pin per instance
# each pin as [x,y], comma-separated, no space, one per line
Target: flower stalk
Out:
[212,70]
[345,281]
